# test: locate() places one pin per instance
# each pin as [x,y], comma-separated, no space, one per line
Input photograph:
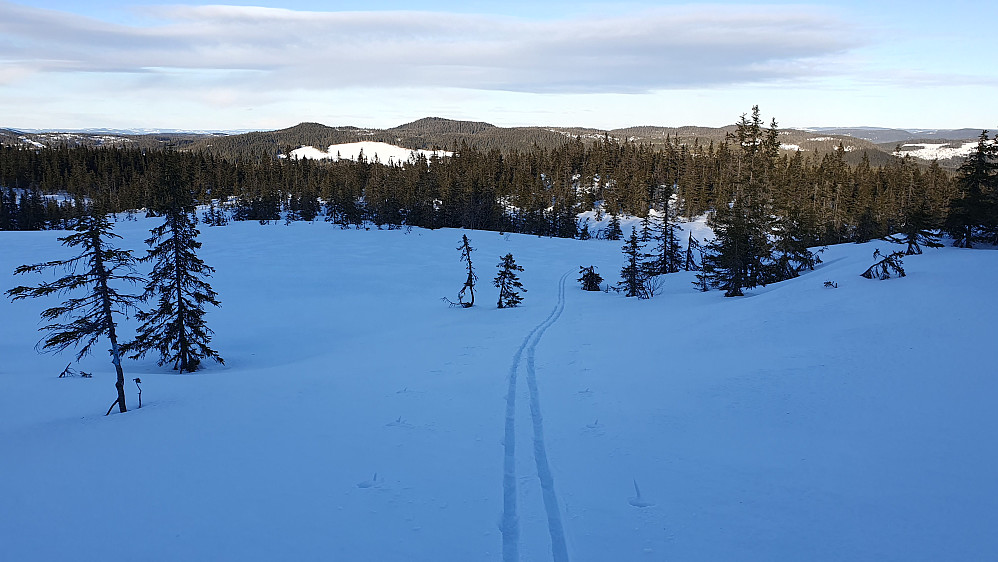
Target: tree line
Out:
[533,191]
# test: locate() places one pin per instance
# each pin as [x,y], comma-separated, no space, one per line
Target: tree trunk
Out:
[119,384]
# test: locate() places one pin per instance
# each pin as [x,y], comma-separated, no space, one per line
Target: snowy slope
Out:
[937,151]
[360,418]
[352,151]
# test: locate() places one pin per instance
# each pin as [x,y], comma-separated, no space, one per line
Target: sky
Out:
[66,64]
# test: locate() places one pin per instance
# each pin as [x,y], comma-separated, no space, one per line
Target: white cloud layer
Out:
[281,50]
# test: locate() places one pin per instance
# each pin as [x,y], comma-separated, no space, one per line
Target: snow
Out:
[788,146]
[33,143]
[352,150]
[937,151]
[358,417]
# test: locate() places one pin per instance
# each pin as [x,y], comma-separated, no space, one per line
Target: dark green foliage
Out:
[81,320]
[536,189]
[508,282]
[791,248]
[741,255]
[919,229]
[590,279]
[28,209]
[175,329]
[690,260]
[668,253]
[613,231]
[972,214]
[634,272]
[264,208]
[215,216]
[887,267]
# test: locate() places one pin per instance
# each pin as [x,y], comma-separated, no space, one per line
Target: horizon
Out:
[166,130]
[605,65]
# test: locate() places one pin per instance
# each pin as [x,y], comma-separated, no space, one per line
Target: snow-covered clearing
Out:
[937,151]
[358,417]
[352,151]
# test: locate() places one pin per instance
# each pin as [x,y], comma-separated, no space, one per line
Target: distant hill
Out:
[880,135]
[439,133]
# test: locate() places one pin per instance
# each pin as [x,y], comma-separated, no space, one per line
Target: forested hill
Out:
[437,132]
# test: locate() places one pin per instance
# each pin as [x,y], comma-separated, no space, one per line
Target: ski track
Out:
[510,521]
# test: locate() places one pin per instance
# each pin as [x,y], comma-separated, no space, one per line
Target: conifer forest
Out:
[533,190]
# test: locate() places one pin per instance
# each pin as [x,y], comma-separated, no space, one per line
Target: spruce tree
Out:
[887,267]
[508,282]
[634,272]
[590,279]
[176,328]
[613,231]
[469,282]
[791,248]
[668,254]
[690,262]
[919,228]
[80,321]
[741,254]
[972,213]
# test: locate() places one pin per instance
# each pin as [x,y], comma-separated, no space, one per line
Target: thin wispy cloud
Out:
[277,49]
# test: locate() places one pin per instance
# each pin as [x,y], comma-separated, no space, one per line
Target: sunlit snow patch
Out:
[384,152]
[936,151]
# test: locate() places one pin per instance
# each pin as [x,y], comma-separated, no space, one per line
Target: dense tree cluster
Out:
[815,199]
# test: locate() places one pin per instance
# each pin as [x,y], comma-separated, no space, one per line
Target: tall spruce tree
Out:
[80,321]
[740,255]
[971,214]
[176,327]
[508,282]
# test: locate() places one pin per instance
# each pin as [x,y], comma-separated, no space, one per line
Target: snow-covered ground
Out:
[937,151]
[358,417]
[352,150]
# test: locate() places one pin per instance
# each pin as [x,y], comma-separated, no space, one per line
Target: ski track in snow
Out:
[510,521]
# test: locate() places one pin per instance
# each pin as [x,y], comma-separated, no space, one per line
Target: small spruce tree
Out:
[919,229]
[469,282]
[508,283]
[590,279]
[633,274]
[888,266]
[613,231]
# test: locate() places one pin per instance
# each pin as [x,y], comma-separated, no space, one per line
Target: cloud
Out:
[278,49]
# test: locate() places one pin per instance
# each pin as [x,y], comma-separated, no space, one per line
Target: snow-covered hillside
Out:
[358,417]
[938,151]
[370,150]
